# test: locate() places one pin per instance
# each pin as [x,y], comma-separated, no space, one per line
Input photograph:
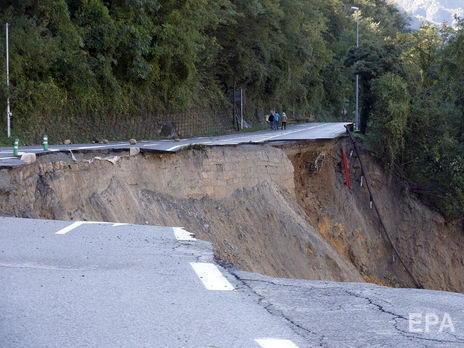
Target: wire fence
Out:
[89,125]
[148,126]
[195,123]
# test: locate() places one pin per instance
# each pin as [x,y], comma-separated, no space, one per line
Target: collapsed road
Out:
[282,210]
[293,132]
[102,284]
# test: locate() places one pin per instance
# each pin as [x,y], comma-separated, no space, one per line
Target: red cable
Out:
[347,173]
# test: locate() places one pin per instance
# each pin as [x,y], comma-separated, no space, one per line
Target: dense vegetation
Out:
[416,119]
[94,64]
[90,61]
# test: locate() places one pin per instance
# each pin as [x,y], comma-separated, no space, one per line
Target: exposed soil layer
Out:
[431,248]
[280,210]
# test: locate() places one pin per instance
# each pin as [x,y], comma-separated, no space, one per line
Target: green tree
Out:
[389,117]
[372,62]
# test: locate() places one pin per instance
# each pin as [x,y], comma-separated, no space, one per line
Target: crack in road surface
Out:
[268,306]
[291,299]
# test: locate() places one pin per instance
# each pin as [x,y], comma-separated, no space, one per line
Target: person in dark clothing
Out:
[271,120]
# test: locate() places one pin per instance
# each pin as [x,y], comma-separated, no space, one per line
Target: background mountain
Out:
[435,11]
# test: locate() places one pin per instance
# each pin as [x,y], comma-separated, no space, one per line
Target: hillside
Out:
[281,210]
[434,11]
[93,70]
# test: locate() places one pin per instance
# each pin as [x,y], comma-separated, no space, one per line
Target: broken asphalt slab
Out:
[332,314]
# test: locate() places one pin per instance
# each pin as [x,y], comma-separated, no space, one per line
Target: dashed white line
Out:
[275,343]
[211,277]
[70,227]
[182,234]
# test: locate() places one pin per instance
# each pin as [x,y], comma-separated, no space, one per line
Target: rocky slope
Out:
[434,11]
[280,210]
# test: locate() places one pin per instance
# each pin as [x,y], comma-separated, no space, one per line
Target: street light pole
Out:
[356,120]
[8,113]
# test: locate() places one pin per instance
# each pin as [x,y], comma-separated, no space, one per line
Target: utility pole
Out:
[241,108]
[356,120]
[8,113]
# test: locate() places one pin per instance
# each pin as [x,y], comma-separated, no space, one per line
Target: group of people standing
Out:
[274,119]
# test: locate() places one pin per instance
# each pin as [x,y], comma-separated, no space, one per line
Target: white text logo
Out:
[418,322]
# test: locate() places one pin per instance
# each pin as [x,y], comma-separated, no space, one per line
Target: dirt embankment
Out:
[279,210]
[431,248]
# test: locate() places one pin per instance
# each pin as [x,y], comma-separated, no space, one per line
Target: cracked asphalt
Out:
[331,314]
[71,284]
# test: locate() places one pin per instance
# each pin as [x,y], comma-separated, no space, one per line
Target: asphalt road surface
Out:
[308,131]
[72,284]
[332,314]
[84,284]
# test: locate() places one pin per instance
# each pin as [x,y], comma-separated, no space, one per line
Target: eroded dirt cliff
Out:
[431,248]
[280,210]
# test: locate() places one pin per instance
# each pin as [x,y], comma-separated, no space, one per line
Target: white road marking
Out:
[114,224]
[41,266]
[97,146]
[211,277]
[182,234]
[275,343]
[232,140]
[291,132]
[89,147]
[175,147]
[78,223]
[70,227]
